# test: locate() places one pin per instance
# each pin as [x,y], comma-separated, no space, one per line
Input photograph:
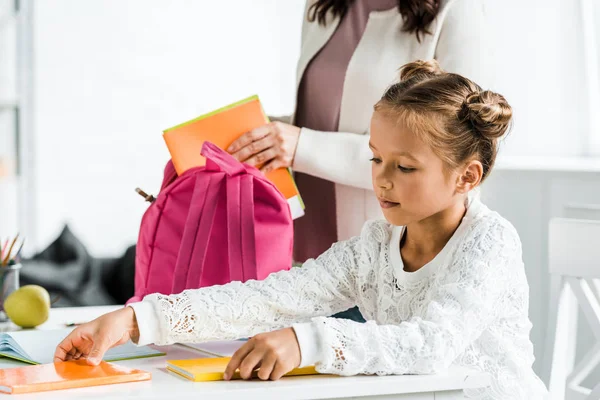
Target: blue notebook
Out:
[38,346]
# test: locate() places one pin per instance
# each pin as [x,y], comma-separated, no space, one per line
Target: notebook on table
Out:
[38,346]
[222,127]
[217,348]
[66,375]
[212,369]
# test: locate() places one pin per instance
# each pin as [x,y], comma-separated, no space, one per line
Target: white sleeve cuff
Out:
[308,340]
[339,157]
[304,156]
[147,321]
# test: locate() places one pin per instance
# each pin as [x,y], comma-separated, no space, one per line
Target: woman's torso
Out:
[318,106]
[381,49]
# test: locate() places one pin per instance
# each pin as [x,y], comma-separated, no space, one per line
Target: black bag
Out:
[75,278]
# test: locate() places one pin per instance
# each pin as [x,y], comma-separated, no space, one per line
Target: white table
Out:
[165,385]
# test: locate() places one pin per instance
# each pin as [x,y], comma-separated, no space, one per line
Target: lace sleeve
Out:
[463,300]
[320,287]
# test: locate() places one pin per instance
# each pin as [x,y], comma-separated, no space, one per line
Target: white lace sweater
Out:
[468,306]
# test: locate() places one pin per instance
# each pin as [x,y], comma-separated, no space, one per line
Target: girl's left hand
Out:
[276,353]
[270,146]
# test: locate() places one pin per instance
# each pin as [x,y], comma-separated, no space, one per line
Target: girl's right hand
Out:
[93,339]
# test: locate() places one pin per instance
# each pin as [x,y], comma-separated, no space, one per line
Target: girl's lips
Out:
[387,204]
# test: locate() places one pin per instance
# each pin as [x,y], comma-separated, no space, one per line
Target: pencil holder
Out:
[9,282]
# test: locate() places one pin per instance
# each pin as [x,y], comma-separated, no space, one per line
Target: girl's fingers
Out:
[250,362]
[267,365]
[72,352]
[279,370]
[237,359]
[61,353]
[69,346]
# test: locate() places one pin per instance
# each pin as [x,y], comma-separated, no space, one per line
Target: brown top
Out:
[318,107]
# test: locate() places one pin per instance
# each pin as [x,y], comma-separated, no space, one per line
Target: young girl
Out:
[441,281]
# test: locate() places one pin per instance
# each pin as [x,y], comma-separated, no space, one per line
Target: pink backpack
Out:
[214,224]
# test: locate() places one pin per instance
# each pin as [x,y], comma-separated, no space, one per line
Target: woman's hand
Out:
[269,147]
[276,353]
[93,339]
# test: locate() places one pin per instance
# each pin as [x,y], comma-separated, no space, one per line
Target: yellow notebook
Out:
[212,369]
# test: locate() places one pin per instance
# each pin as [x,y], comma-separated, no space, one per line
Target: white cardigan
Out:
[456,41]
[467,307]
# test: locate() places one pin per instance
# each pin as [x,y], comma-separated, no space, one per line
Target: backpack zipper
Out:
[148,197]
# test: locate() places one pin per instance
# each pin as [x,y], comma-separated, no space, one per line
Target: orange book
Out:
[66,375]
[212,369]
[222,127]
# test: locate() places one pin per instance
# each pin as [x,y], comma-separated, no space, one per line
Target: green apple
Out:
[28,306]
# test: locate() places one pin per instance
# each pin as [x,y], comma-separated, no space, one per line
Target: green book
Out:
[38,346]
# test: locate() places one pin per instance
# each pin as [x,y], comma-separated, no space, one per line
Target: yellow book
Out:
[212,369]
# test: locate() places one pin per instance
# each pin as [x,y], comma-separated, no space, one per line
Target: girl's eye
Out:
[375,160]
[404,169]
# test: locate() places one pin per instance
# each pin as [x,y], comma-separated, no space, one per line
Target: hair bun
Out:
[489,113]
[420,69]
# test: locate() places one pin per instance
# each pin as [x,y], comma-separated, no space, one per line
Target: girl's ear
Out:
[470,177]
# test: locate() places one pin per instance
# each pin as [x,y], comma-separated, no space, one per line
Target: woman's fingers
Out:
[271,166]
[263,157]
[248,138]
[272,142]
[254,148]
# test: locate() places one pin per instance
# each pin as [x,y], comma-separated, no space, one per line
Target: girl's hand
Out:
[276,353]
[93,339]
[270,146]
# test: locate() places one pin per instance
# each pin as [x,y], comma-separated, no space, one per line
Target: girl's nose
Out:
[387,185]
[383,182]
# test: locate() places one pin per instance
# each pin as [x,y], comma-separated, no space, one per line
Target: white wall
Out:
[8,91]
[539,68]
[110,75]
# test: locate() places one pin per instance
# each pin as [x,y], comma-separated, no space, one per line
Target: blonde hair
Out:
[451,113]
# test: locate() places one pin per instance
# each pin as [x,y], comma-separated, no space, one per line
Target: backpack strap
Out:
[240,227]
[200,219]
[197,230]
[220,160]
